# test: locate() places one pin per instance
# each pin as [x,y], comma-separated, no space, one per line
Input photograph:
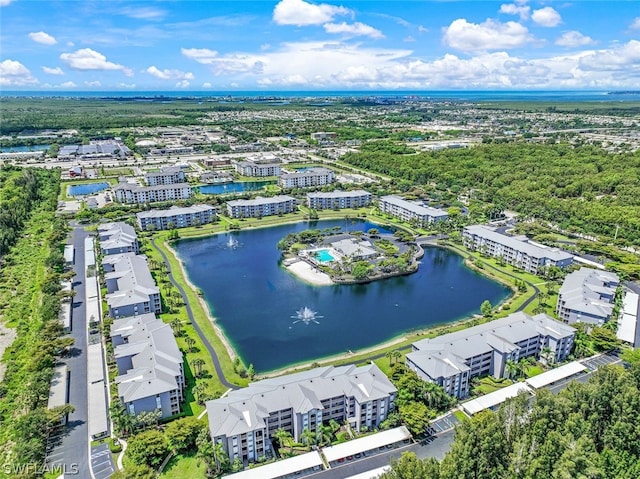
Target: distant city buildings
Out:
[251,168]
[246,419]
[307,178]
[131,193]
[150,365]
[516,251]
[338,199]
[323,135]
[587,296]
[94,150]
[175,217]
[451,360]
[409,211]
[260,206]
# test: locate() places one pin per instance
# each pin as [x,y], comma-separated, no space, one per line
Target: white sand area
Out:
[308,273]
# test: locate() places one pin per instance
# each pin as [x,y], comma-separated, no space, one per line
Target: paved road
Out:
[212,352]
[71,448]
[101,463]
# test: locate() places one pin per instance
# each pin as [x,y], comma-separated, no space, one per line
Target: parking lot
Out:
[443,424]
[368,454]
[599,361]
[101,462]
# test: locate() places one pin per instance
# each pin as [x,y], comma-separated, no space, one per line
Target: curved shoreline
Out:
[405,337]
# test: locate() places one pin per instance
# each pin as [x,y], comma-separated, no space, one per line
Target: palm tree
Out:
[190,343]
[282,436]
[197,365]
[307,437]
[546,355]
[176,325]
[389,355]
[396,355]
[511,368]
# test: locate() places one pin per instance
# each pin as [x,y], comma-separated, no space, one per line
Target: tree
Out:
[486,309]
[190,343]
[197,365]
[182,433]
[251,371]
[389,355]
[604,339]
[511,368]
[176,325]
[134,471]
[282,436]
[408,466]
[147,448]
[307,437]
[415,415]
[396,355]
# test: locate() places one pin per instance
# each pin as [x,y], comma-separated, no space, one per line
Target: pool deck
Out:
[308,273]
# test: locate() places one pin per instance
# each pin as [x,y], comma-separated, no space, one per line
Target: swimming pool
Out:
[323,256]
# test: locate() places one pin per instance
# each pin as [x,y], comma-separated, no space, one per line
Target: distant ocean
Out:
[440,95]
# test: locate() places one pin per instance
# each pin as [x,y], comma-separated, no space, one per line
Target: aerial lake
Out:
[87,189]
[225,188]
[257,302]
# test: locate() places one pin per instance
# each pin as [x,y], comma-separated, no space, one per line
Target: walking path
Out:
[205,341]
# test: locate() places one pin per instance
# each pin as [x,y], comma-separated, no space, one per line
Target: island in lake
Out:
[324,257]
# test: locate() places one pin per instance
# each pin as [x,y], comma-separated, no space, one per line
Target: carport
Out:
[367,443]
[493,399]
[555,375]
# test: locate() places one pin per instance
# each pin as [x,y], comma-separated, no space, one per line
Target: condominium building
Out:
[131,289]
[260,206]
[250,168]
[130,193]
[116,238]
[175,217]
[246,419]
[169,175]
[323,135]
[517,251]
[150,365]
[586,296]
[451,360]
[409,211]
[338,199]
[307,178]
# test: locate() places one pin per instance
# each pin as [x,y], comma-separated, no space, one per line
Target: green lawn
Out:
[184,466]
[489,384]
[461,416]
[533,371]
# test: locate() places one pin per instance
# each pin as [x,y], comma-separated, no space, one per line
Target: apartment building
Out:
[131,289]
[451,360]
[251,168]
[169,175]
[135,194]
[323,135]
[409,211]
[116,238]
[338,199]
[246,419]
[515,250]
[307,178]
[175,217]
[150,365]
[586,296]
[260,206]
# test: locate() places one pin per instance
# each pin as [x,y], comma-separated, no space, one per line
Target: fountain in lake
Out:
[306,315]
[232,243]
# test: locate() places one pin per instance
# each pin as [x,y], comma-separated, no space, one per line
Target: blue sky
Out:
[328,45]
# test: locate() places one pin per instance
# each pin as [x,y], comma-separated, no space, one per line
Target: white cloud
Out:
[169,74]
[624,60]
[422,29]
[70,44]
[67,84]
[356,29]
[143,13]
[490,35]
[14,73]
[546,17]
[514,9]
[183,84]
[206,85]
[201,55]
[574,38]
[53,71]
[88,59]
[234,85]
[94,83]
[635,25]
[265,47]
[301,13]
[42,37]
[4,3]
[408,39]
[127,85]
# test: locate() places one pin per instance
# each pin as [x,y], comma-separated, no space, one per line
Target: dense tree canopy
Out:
[589,430]
[585,189]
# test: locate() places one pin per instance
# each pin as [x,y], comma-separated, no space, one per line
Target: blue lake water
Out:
[256,300]
[14,149]
[87,189]
[234,187]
